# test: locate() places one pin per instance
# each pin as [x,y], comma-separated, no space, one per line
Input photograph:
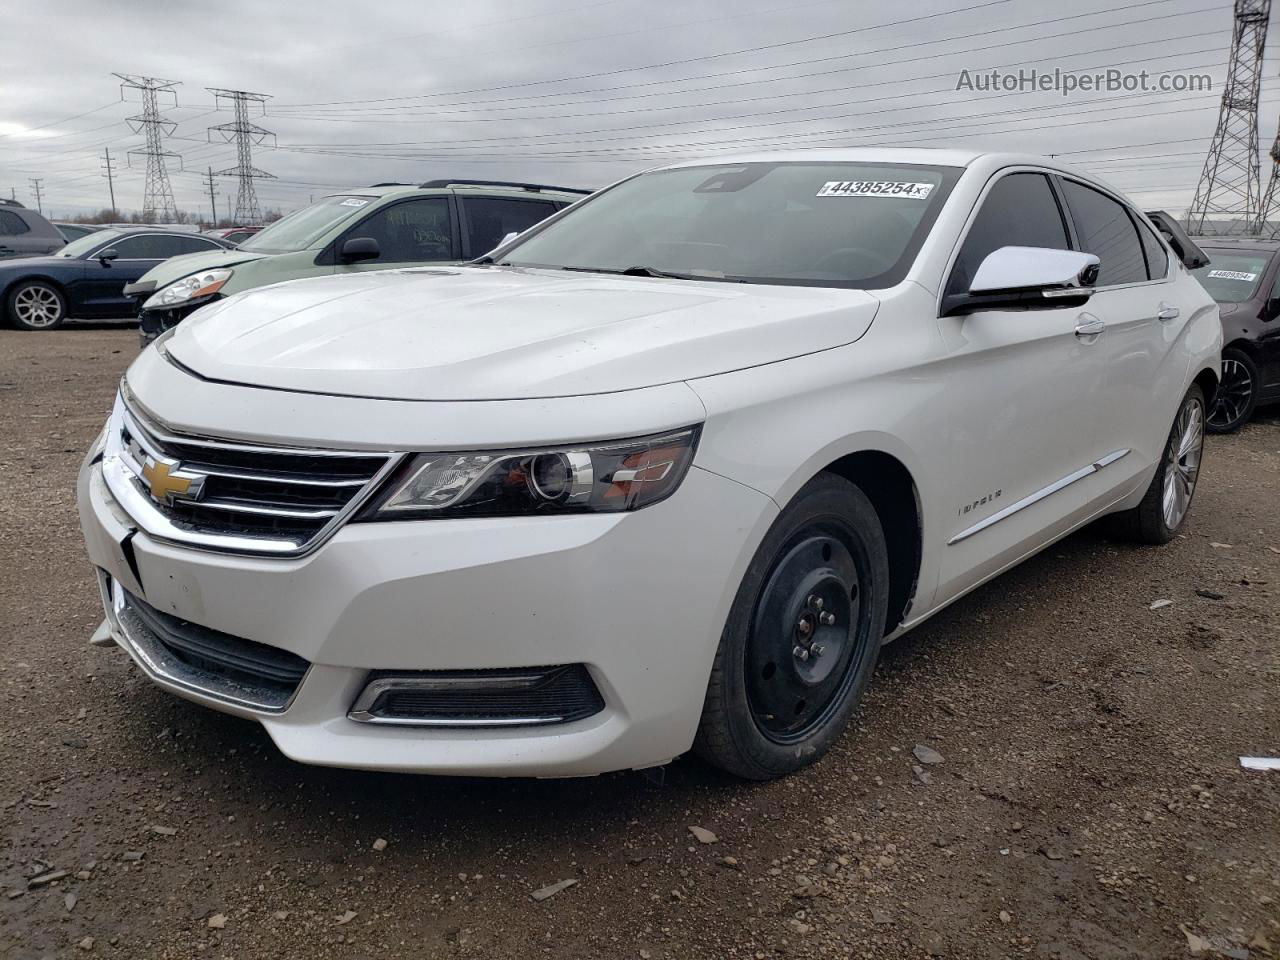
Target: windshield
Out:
[303,227]
[820,224]
[1231,277]
[82,245]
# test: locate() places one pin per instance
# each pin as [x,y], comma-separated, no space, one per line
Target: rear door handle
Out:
[1167,311]
[1087,325]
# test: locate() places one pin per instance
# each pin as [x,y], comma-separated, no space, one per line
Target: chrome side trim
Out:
[361,710]
[1039,495]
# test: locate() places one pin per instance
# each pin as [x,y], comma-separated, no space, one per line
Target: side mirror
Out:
[1271,310]
[1027,278]
[107,255]
[359,248]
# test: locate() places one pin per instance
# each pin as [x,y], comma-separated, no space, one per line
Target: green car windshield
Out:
[301,229]
[1231,277]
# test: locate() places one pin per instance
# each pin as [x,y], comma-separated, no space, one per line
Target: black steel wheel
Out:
[802,638]
[1237,394]
[804,634]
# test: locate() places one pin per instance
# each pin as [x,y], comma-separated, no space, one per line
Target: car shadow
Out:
[213,752]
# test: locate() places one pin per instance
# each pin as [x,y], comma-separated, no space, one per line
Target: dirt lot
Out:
[1089,803]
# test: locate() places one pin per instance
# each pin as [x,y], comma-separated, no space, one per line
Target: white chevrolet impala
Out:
[662,473]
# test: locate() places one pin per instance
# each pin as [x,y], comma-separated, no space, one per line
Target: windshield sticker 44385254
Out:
[876,188]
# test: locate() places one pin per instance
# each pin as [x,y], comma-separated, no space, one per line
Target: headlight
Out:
[203,284]
[609,477]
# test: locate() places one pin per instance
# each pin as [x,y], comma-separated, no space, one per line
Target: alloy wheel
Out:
[1231,401]
[1182,462]
[37,307]
[805,636]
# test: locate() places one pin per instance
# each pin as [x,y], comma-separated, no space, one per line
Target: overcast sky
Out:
[581,92]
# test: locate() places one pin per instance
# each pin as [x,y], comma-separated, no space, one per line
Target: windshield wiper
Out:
[638,272]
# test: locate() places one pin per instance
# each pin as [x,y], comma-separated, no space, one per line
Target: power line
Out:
[54,123]
[435,111]
[932,17]
[967,120]
[157,195]
[246,135]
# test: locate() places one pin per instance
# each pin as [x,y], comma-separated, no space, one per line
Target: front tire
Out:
[1237,394]
[1164,507]
[36,305]
[802,637]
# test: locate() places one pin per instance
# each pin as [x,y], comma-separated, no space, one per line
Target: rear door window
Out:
[11,224]
[1106,230]
[1157,258]
[489,219]
[158,246]
[193,245]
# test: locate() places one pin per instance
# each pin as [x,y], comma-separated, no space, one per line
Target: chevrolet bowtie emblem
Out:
[166,482]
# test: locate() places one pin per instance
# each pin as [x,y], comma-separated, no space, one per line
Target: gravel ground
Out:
[1088,802]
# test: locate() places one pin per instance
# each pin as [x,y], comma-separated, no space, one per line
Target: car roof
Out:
[930,156]
[985,160]
[463,188]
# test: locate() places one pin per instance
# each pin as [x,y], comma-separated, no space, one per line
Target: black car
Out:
[86,278]
[1244,277]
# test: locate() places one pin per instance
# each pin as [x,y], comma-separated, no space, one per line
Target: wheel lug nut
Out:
[828,619]
[805,627]
[800,653]
[818,649]
[817,603]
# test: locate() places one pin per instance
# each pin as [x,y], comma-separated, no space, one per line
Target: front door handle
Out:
[1087,325]
[1167,311]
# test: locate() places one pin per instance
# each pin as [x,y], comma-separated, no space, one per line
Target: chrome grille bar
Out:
[247,497]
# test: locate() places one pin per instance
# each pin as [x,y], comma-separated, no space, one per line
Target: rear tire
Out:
[35,305]
[1167,502]
[802,637]
[1237,394]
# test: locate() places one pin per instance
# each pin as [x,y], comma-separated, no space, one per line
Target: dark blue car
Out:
[86,278]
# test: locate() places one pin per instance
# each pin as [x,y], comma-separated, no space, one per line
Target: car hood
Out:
[27,264]
[175,268]
[495,333]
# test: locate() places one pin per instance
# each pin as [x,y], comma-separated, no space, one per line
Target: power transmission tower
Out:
[246,135]
[213,204]
[35,186]
[157,196]
[1228,197]
[107,172]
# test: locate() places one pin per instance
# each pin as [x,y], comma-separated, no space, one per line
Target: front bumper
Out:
[635,597]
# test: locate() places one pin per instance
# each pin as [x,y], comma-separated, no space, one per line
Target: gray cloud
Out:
[581,92]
